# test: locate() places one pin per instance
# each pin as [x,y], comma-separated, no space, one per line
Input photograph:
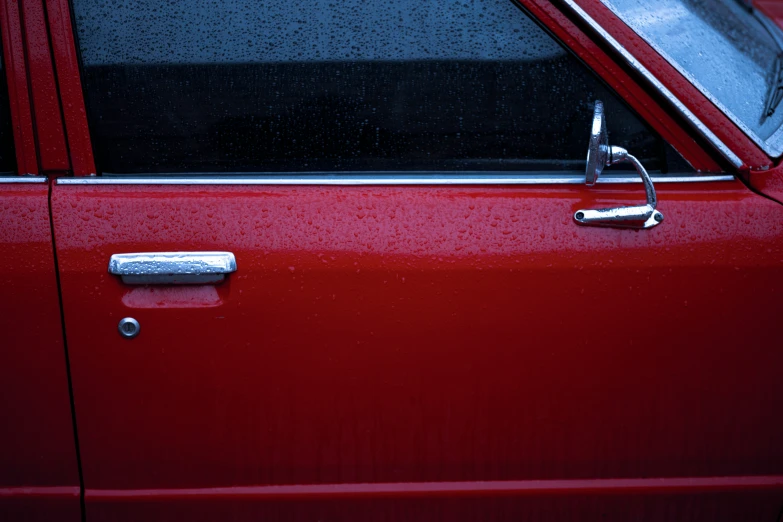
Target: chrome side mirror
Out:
[599,155]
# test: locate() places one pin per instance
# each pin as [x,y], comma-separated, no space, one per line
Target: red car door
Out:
[39,477]
[389,310]
[38,470]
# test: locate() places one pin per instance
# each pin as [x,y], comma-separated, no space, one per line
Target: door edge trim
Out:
[467,179]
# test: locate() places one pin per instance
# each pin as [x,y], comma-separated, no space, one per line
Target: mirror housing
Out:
[598,148]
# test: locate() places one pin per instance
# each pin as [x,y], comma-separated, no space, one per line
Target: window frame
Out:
[576,30]
[416,128]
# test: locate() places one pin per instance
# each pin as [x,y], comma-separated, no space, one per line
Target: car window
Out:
[7,156]
[337,85]
[725,48]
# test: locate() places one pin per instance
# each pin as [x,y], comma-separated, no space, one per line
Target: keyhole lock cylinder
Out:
[129,327]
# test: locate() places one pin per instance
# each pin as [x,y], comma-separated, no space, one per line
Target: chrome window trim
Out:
[772,145]
[381,179]
[702,129]
[23,179]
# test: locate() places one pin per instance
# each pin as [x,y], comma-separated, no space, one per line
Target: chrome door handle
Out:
[166,268]
[599,155]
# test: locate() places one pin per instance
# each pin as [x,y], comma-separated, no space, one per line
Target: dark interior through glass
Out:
[333,86]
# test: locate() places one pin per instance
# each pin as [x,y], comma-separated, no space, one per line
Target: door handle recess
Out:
[167,268]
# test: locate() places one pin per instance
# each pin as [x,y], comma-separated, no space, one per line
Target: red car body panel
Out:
[70,87]
[769,183]
[39,477]
[18,94]
[52,149]
[772,8]
[393,352]
[421,335]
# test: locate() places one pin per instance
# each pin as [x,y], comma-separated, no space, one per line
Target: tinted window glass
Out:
[724,48]
[336,85]
[7,155]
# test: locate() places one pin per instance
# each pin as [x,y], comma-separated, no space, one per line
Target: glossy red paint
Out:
[52,150]
[70,87]
[16,76]
[752,156]
[772,8]
[769,183]
[424,335]
[652,110]
[38,469]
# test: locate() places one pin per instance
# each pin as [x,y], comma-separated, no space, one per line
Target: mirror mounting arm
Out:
[649,189]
